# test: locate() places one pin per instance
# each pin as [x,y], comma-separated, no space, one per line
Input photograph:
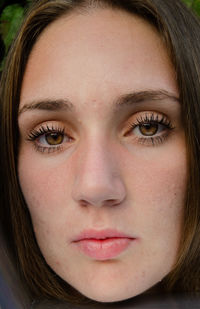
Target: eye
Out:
[53,139]
[48,138]
[149,128]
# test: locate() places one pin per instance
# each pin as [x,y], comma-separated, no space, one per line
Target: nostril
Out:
[111,202]
[84,203]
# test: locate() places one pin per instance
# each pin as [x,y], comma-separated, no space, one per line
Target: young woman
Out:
[100,135]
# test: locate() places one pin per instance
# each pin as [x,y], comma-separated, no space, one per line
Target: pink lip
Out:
[104,244]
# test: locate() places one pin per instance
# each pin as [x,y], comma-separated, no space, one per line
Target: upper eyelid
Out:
[139,116]
[35,123]
[148,116]
[161,119]
[37,133]
[49,126]
[44,129]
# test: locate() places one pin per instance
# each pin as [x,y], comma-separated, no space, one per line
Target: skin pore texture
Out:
[102,148]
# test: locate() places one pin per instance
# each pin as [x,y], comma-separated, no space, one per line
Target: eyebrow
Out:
[124,100]
[47,105]
[145,96]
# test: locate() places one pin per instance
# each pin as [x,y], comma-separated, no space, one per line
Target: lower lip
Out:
[104,249]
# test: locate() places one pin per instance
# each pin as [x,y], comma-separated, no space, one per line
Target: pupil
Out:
[148,129]
[54,138]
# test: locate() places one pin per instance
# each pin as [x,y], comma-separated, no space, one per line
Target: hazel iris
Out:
[54,138]
[148,129]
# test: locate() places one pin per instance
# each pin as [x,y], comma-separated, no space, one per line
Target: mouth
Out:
[104,244]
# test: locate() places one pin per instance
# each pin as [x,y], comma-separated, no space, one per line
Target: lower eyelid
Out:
[153,140]
[44,149]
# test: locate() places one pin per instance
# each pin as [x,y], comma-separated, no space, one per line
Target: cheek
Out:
[162,185]
[159,174]
[45,185]
[157,182]
[46,191]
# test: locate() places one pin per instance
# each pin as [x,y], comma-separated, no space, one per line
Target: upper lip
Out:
[101,234]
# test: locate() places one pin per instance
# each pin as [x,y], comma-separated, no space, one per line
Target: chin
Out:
[110,296]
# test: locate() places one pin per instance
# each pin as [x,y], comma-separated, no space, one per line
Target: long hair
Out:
[180,31]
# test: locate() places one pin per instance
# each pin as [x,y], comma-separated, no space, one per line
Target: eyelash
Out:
[153,119]
[44,130]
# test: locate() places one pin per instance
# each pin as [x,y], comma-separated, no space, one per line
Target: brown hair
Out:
[180,30]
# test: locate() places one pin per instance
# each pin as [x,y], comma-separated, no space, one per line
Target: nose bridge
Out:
[97,180]
[96,158]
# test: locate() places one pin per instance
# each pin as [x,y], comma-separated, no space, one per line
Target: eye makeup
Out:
[49,138]
[149,128]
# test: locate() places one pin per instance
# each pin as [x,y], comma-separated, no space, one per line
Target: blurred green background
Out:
[11,15]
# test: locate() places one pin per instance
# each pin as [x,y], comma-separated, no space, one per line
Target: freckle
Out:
[143,274]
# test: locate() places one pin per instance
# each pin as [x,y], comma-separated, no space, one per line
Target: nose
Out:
[98,181]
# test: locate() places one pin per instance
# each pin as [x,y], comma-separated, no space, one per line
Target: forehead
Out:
[97,54]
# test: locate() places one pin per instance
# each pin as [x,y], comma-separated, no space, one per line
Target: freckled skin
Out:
[92,59]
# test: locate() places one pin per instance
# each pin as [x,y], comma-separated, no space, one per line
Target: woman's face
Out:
[102,161]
